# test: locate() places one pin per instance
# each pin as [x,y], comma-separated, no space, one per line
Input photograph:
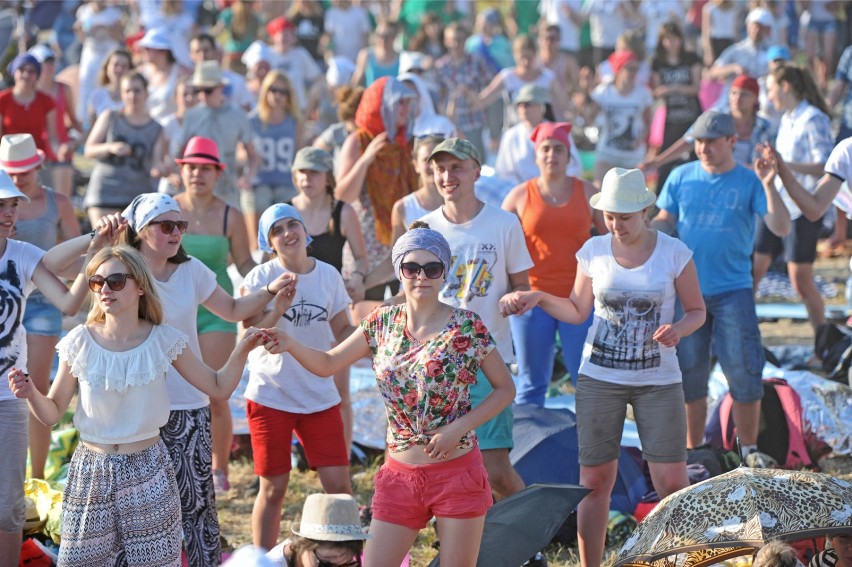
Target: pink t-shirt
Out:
[425,384]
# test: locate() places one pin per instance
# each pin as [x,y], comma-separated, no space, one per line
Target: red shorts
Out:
[320,433]
[409,495]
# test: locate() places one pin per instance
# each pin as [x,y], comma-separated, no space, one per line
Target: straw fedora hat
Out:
[18,153]
[623,191]
[208,74]
[330,517]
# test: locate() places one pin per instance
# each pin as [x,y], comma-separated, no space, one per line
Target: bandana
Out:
[421,239]
[146,207]
[619,59]
[271,216]
[746,83]
[560,131]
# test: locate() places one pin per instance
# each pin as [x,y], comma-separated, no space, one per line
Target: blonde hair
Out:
[150,308]
[263,110]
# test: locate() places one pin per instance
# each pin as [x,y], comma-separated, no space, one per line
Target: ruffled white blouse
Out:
[122,396]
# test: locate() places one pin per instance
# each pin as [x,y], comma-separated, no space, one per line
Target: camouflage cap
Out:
[459,148]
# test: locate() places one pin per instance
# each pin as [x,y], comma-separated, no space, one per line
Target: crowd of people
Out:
[333,153]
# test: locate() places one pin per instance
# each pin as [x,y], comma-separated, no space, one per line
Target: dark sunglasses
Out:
[354,563]
[205,90]
[116,282]
[432,270]
[282,92]
[168,226]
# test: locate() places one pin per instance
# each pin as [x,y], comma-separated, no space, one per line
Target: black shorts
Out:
[798,247]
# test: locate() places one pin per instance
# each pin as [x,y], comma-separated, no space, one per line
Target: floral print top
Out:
[425,384]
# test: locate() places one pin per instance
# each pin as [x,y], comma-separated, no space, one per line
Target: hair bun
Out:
[418,224]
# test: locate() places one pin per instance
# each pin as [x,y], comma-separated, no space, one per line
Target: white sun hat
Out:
[8,189]
[623,191]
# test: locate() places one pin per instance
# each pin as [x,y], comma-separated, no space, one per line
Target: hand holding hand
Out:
[279,341]
[20,384]
[667,335]
[254,337]
[519,302]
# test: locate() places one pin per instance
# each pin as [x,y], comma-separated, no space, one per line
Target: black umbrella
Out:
[519,526]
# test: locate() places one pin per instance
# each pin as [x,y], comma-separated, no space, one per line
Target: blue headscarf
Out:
[23,59]
[271,216]
[421,239]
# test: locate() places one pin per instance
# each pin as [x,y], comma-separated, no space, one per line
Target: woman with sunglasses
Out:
[22,267]
[282,396]
[277,127]
[121,472]
[426,355]
[154,225]
[129,148]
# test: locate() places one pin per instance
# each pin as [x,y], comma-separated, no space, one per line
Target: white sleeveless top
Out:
[122,396]
[413,209]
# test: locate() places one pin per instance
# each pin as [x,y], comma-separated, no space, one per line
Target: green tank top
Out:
[213,252]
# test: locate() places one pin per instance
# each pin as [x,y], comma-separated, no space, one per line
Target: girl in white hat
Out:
[45,218]
[630,278]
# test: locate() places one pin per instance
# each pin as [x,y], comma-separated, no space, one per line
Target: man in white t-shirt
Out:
[490,261]
[349,27]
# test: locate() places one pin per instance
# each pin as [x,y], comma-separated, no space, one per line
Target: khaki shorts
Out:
[261,197]
[602,408]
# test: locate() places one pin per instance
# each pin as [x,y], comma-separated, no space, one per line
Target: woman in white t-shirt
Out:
[153,224]
[283,397]
[631,277]
[116,362]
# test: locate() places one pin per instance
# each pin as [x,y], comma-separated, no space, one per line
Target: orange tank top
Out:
[554,235]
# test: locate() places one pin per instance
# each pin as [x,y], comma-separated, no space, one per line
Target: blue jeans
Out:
[732,334]
[534,336]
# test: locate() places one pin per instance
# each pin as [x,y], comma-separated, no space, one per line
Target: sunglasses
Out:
[354,563]
[116,282]
[282,92]
[432,270]
[169,226]
[205,90]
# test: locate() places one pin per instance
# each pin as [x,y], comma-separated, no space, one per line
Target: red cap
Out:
[619,59]
[560,131]
[201,150]
[746,83]
[278,25]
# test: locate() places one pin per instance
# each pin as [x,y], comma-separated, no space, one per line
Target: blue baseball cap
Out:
[777,52]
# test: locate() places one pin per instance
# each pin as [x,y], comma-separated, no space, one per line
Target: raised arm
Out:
[321,363]
[235,309]
[574,309]
[777,216]
[354,164]
[813,205]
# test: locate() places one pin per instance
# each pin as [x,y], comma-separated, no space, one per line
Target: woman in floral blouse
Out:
[426,355]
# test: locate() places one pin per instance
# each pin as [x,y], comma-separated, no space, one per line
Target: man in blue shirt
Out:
[713,203]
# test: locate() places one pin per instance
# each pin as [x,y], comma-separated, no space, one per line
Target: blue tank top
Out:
[376,70]
[276,144]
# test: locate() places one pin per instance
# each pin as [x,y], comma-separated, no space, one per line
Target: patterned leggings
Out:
[188,438]
[121,510]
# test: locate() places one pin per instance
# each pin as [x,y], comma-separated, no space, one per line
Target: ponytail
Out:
[803,85]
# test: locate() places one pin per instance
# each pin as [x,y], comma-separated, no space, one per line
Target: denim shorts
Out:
[826,26]
[731,334]
[41,317]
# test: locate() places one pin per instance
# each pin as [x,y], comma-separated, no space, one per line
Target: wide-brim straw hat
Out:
[19,154]
[207,74]
[330,517]
[623,191]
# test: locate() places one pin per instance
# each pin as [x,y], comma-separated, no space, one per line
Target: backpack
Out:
[833,345]
[781,429]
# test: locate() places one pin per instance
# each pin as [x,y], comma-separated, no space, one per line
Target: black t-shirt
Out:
[679,108]
[309,30]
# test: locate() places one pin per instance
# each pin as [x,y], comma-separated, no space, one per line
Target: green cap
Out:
[532,93]
[313,159]
[456,147]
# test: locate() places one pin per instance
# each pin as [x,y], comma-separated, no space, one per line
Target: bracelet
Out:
[92,234]
[269,291]
[363,277]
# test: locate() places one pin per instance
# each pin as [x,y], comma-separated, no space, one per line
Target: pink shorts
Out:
[409,495]
[320,433]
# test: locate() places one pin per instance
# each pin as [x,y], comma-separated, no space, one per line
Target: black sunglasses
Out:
[168,226]
[116,282]
[354,563]
[205,90]
[283,92]
[432,270]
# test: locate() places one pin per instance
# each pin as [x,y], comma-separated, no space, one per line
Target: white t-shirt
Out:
[630,305]
[17,265]
[553,12]
[839,164]
[191,285]
[622,134]
[348,30]
[299,67]
[278,381]
[516,156]
[486,249]
[122,396]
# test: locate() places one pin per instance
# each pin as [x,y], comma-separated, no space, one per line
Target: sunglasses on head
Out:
[432,270]
[283,92]
[116,282]
[169,226]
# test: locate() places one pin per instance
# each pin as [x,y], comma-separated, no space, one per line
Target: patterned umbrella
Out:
[735,513]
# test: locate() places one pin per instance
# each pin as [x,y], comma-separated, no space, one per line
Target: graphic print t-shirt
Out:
[16,270]
[486,249]
[278,381]
[630,305]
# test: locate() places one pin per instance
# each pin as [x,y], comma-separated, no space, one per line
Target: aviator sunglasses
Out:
[168,226]
[116,282]
[432,270]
